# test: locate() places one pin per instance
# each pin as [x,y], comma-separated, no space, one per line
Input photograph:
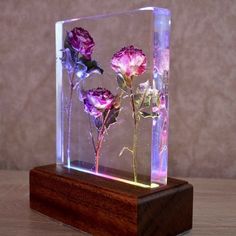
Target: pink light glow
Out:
[153,185]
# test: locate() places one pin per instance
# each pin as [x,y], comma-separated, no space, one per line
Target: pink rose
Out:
[96,101]
[81,41]
[129,61]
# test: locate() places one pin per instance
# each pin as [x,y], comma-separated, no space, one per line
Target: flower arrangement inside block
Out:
[112,95]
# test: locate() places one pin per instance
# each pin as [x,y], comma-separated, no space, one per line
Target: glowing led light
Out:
[146,9]
[153,185]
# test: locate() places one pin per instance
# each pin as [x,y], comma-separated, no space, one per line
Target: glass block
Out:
[112,95]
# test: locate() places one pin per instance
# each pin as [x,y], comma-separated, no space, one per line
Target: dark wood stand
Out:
[105,207]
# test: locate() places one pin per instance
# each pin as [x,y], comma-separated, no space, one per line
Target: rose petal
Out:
[129,61]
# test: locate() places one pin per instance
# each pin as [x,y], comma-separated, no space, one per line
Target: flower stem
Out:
[91,133]
[98,150]
[135,137]
[100,140]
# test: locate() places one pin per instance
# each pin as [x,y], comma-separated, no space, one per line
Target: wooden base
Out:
[105,207]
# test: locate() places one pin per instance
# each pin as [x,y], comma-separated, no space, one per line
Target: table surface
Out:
[214,209]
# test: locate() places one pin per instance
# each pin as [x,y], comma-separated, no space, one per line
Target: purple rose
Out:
[129,61]
[98,100]
[81,41]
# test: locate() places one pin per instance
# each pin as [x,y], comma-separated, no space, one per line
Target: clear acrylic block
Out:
[112,95]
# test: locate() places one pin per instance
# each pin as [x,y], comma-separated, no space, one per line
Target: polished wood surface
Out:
[214,209]
[105,207]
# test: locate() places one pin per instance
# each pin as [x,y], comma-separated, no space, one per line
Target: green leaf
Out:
[147,115]
[92,66]
[96,70]
[121,82]
[98,122]
[142,100]
[147,100]
[138,99]
[112,116]
[144,93]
